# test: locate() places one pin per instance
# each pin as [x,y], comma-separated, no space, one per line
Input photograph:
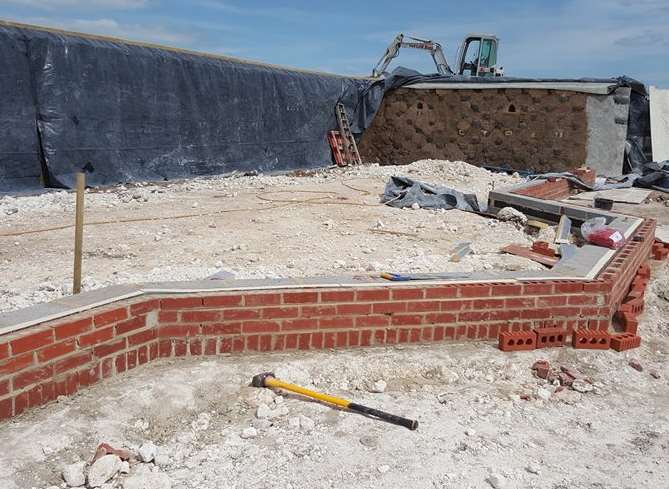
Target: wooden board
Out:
[529,254]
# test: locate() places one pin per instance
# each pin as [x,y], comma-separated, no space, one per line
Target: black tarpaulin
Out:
[124,112]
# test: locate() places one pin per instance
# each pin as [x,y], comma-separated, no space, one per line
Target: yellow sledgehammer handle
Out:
[280,384]
[267,379]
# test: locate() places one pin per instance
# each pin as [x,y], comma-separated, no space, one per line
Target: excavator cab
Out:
[477,56]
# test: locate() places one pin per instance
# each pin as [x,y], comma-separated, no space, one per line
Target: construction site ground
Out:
[485,419]
[325,223]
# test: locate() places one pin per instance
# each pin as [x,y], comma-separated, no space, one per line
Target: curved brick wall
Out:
[58,357]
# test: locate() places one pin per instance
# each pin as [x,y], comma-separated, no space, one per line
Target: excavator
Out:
[477,55]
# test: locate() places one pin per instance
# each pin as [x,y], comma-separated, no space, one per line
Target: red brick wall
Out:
[60,357]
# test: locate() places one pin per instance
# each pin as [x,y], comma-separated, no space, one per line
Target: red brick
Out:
[625,341]
[144,307]
[262,299]
[441,318]
[229,314]
[96,337]
[178,330]
[73,328]
[406,319]
[89,376]
[342,339]
[340,322]
[210,345]
[371,321]
[226,345]
[181,303]
[109,317]
[194,346]
[33,341]
[414,335]
[260,327]
[423,306]
[221,328]
[329,340]
[551,301]
[597,286]
[48,392]
[180,349]
[373,295]
[168,316]
[441,292]
[455,305]
[550,337]
[478,290]
[153,350]
[4,387]
[338,296]
[568,287]
[4,350]
[354,338]
[56,350]
[520,303]
[278,342]
[537,288]
[142,337]
[565,312]
[504,314]
[67,385]
[297,324]
[6,408]
[578,300]
[354,309]
[519,340]
[280,312]
[489,304]
[407,294]
[391,336]
[315,311]
[109,348]
[30,377]
[200,316]
[72,362]
[300,297]
[223,301]
[591,339]
[390,307]
[536,314]
[467,316]
[130,325]
[291,341]
[107,368]
[21,403]
[427,334]
[506,290]
[439,332]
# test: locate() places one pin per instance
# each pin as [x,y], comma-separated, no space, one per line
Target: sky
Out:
[538,38]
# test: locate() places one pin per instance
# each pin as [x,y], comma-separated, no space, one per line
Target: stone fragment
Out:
[74,475]
[148,480]
[103,469]
[147,452]
[249,433]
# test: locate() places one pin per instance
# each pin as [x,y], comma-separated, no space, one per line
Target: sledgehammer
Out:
[268,379]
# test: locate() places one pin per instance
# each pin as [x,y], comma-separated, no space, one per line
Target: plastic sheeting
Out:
[124,112]
[404,192]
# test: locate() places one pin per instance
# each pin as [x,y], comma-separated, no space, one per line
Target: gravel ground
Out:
[485,420]
[326,223]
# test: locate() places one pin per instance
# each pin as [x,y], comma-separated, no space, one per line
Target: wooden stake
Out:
[79,232]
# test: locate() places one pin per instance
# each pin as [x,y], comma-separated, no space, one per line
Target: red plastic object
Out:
[550,337]
[337,144]
[590,339]
[607,237]
[517,340]
[625,341]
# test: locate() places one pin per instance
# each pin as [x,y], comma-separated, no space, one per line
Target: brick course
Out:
[60,357]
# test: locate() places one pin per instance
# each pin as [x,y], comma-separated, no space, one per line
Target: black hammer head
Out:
[259,380]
